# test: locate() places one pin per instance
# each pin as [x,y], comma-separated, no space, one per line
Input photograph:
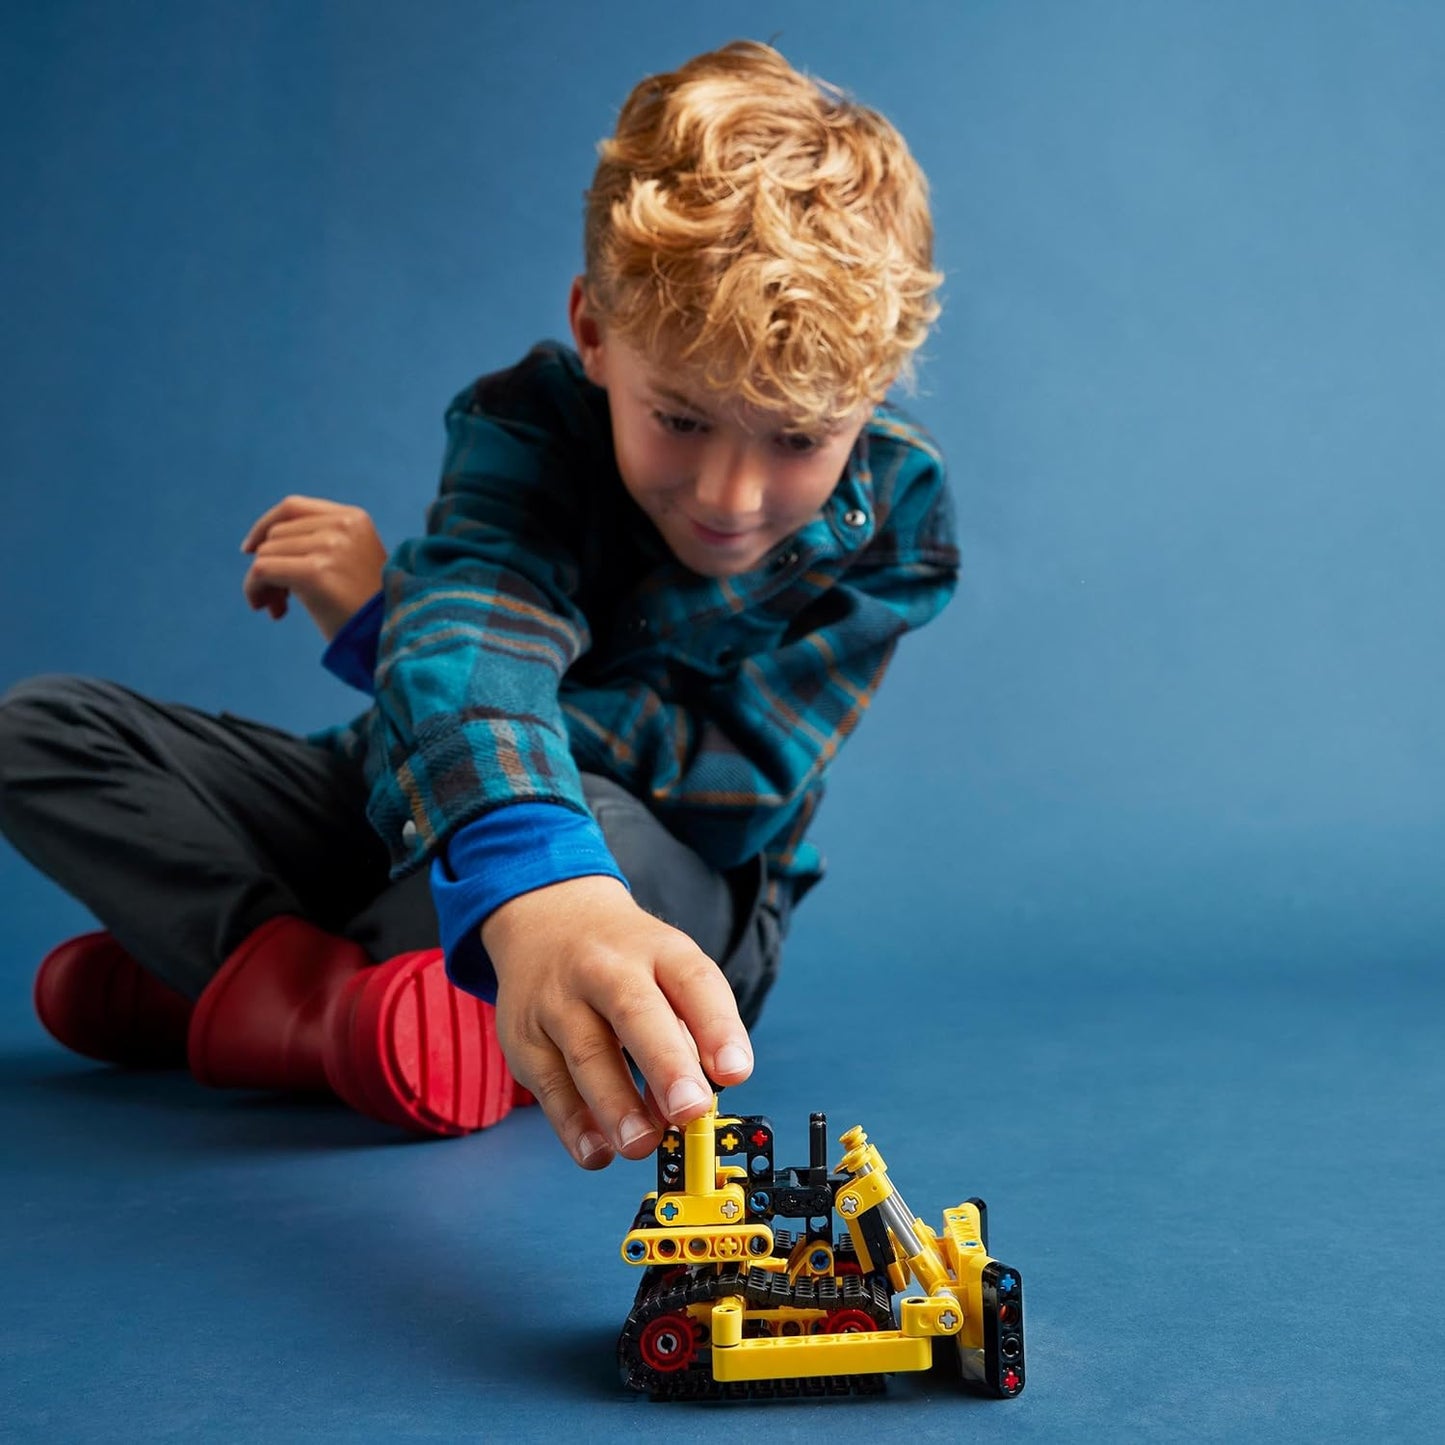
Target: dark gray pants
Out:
[183,832]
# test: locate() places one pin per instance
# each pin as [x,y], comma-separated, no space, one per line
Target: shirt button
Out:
[637,625]
[786,559]
[855,517]
[408,832]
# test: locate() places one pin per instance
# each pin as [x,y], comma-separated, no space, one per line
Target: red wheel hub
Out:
[851,1322]
[668,1343]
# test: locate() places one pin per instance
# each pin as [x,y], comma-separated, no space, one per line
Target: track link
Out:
[655,1356]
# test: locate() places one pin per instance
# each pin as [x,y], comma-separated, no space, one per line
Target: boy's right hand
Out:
[327,553]
[583,972]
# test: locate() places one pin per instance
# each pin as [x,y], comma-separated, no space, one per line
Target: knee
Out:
[624,822]
[39,713]
[667,877]
[44,700]
[648,855]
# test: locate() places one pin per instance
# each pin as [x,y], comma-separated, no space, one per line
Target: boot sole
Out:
[413,1050]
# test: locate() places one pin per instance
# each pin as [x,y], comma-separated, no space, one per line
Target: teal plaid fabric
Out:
[541,626]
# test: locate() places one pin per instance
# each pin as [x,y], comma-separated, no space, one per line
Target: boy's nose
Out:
[730,485]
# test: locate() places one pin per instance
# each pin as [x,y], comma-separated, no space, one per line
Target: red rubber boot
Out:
[97,1000]
[406,1045]
[295,1007]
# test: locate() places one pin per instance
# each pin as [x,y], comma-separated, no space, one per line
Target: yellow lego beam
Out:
[784,1358]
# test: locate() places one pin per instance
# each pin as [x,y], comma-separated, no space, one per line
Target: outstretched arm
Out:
[482,622]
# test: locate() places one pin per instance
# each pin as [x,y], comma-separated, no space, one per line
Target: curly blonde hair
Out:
[759,227]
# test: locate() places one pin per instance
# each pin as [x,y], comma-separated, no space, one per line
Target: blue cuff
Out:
[512,851]
[351,654]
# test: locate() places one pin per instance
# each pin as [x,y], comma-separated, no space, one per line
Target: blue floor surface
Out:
[1223,1194]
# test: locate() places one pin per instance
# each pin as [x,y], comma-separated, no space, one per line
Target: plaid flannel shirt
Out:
[541,626]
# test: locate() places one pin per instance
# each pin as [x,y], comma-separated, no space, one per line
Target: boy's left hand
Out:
[327,553]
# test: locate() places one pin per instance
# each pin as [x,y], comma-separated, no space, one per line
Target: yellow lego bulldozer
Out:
[731,1306]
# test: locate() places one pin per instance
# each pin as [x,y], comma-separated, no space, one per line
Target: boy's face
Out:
[722,482]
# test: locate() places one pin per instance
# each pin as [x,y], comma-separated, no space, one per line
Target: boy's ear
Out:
[587,333]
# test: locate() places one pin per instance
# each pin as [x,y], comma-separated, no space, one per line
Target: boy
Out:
[660,584]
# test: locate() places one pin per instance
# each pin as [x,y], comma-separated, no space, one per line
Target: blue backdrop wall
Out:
[1188,704]
[1140,839]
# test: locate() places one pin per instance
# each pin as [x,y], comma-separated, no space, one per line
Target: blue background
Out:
[1138,848]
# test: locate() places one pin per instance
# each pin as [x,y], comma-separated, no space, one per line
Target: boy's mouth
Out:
[715,538]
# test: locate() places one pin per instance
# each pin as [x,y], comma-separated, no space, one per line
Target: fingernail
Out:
[591,1146]
[733,1059]
[634,1127]
[686,1094]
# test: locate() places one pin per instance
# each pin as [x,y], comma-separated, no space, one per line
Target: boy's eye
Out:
[683,426]
[797,443]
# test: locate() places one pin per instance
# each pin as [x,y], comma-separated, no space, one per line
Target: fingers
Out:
[286,509]
[330,557]
[570,1118]
[321,546]
[260,592]
[576,1067]
[273,572]
[695,987]
[541,1067]
[308,563]
[594,1059]
[648,1027]
[314,525]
